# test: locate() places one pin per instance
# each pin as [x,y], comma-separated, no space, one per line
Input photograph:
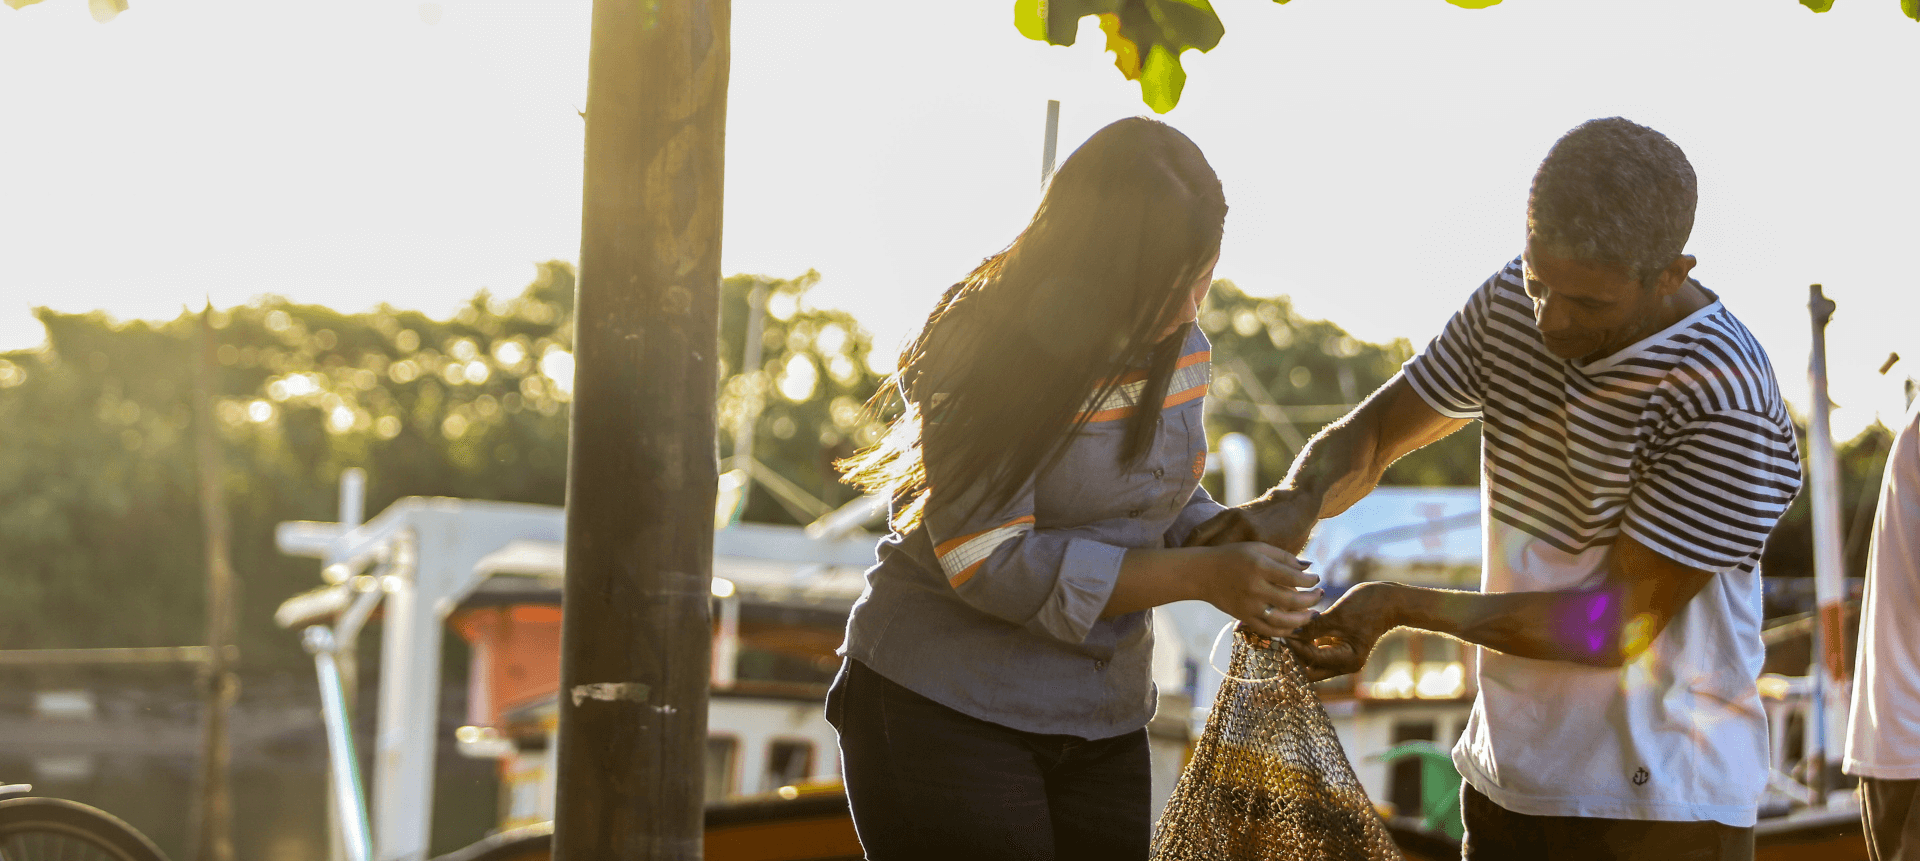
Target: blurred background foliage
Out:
[100,539]
[100,535]
[1279,377]
[806,396]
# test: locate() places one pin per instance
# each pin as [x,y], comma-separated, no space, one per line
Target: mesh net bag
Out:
[1268,780]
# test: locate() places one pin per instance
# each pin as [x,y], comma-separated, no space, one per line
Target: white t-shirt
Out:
[1883,733]
[1681,442]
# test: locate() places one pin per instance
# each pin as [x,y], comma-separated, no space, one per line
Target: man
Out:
[1883,734]
[1635,455]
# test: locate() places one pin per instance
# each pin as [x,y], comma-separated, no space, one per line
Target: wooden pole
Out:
[642,472]
[214,840]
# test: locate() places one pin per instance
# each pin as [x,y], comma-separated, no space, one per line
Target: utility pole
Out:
[214,838]
[641,472]
[1829,661]
[1051,142]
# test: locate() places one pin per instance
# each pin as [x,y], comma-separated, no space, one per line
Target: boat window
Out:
[1409,664]
[721,750]
[789,761]
[788,649]
[1404,780]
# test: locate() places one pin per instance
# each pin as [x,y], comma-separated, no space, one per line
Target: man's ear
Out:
[1674,277]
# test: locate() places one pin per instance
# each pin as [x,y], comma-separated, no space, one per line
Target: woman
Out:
[1044,474]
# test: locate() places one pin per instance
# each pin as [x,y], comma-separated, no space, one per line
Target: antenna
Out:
[1052,141]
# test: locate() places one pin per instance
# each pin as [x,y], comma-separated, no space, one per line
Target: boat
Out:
[492,572]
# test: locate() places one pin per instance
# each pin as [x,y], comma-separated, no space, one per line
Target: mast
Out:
[1051,143]
[214,840]
[1828,666]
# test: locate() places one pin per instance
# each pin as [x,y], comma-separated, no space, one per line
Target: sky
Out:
[1375,153]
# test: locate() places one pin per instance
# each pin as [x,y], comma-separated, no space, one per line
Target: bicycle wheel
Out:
[53,829]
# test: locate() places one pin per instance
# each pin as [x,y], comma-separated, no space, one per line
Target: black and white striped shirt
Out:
[1681,442]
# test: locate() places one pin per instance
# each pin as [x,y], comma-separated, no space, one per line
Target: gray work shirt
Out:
[995,612]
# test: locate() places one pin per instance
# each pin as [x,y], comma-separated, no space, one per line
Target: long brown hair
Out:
[1003,370]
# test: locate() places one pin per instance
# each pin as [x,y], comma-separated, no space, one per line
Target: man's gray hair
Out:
[1613,191]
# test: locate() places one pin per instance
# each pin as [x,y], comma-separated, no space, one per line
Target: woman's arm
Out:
[1261,585]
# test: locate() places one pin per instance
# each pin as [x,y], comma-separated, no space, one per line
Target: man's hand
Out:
[1338,641]
[1282,518]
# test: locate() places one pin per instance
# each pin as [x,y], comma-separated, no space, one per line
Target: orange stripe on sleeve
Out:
[1178,398]
[949,545]
[960,579]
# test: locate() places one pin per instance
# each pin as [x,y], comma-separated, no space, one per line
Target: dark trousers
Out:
[1495,833]
[1890,816]
[926,782]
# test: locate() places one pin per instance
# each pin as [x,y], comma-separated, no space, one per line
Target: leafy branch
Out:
[1147,37]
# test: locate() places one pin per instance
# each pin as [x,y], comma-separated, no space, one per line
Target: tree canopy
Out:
[1279,377]
[100,539]
[100,532]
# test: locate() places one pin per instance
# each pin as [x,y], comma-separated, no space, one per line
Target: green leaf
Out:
[1145,36]
[1027,18]
[1057,22]
[1186,24]
[1162,79]
[1817,5]
[1912,8]
[1126,54]
[1063,16]
[1474,4]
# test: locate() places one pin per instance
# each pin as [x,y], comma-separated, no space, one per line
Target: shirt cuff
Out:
[1088,572]
[1190,519]
[1429,391]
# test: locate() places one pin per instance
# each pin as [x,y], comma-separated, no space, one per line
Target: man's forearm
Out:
[1579,626]
[1337,467]
[1333,471]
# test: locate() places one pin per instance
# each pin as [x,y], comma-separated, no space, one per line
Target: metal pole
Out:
[350,806]
[743,427]
[726,638]
[346,665]
[353,497]
[214,839]
[1237,463]
[1052,141]
[1829,571]
[752,400]
[642,472]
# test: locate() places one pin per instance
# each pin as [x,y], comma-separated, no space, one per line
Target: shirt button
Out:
[1099,665]
[1136,512]
[1159,473]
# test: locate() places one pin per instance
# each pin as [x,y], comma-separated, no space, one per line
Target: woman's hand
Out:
[1261,585]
